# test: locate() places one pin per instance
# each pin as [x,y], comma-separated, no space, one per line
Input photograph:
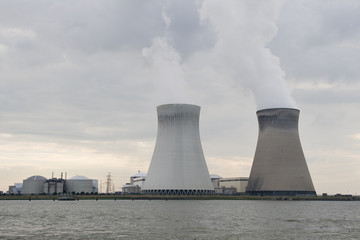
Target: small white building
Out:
[138,179]
[136,184]
[16,188]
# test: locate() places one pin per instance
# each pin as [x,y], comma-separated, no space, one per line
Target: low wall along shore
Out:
[172,197]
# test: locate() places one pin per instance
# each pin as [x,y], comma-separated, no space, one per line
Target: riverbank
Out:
[170,197]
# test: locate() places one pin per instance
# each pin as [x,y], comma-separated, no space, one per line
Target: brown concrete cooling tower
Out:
[279,167]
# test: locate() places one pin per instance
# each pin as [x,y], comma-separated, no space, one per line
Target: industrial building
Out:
[135,185]
[279,166]
[33,185]
[41,185]
[229,186]
[81,184]
[178,164]
[238,183]
[138,179]
[15,189]
[215,180]
[131,189]
[54,186]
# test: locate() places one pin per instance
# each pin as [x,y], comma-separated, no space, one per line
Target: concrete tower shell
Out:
[178,165]
[279,166]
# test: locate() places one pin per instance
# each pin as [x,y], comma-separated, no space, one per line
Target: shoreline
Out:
[181,197]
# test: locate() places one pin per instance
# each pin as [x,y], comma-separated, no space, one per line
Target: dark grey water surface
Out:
[179,219]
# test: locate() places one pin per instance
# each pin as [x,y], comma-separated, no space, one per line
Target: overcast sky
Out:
[80,82]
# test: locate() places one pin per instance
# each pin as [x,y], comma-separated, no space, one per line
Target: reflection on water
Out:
[179,219]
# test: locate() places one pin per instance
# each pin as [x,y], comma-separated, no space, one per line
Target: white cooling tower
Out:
[178,165]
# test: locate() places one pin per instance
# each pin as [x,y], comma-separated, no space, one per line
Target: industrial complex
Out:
[178,165]
[40,185]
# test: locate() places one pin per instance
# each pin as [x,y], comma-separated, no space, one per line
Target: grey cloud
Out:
[186,30]
[336,96]
[89,25]
[319,40]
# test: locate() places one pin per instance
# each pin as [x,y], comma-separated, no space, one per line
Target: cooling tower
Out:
[178,165]
[279,166]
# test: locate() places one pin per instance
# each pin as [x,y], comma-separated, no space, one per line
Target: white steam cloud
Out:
[243,29]
[164,61]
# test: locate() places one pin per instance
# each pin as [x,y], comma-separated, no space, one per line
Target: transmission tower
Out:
[108,183]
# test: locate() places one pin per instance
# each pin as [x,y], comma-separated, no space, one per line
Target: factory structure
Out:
[279,166]
[222,186]
[79,184]
[229,186]
[36,184]
[135,185]
[178,165]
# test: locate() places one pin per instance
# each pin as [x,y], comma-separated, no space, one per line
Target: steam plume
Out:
[241,48]
[165,61]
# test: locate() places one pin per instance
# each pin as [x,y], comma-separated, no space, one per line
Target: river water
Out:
[179,219]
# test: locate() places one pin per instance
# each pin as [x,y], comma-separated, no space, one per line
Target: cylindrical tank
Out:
[33,185]
[279,166]
[79,184]
[178,165]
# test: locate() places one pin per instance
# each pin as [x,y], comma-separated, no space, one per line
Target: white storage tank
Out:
[79,184]
[33,185]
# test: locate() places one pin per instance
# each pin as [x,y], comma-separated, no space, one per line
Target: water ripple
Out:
[179,219]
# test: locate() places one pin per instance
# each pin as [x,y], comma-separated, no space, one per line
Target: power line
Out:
[109,184]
